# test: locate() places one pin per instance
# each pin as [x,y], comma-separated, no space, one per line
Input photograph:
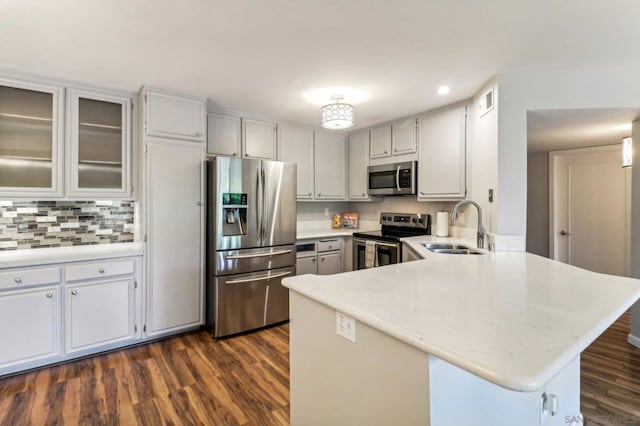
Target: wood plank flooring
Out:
[194,379]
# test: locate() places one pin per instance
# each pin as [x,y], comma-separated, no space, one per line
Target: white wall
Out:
[538,203]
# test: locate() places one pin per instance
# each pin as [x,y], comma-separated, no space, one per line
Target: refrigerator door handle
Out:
[249,256]
[259,204]
[264,205]
[263,278]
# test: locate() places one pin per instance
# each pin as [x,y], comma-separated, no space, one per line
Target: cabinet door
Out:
[175,234]
[223,135]
[358,162]
[329,263]
[381,142]
[31,325]
[99,313]
[175,116]
[99,149]
[31,131]
[441,173]
[403,137]
[259,139]
[295,145]
[408,255]
[329,166]
[306,265]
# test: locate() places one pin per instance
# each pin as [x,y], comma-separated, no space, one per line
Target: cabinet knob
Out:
[421,193]
[235,154]
[75,293]
[101,270]
[49,295]
[319,194]
[322,260]
[246,154]
[385,152]
[310,194]
[198,203]
[313,260]
[18,280]
[395,149]
[363,194]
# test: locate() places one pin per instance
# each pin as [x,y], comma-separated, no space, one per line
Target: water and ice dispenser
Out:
[234,209]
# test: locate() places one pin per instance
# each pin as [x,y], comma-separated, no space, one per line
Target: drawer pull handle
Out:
[18,280]
[101,270]
[49,295]
[75,293]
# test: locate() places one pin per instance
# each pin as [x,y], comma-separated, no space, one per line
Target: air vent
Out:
[486,102]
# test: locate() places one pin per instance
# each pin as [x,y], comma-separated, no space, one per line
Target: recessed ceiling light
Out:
[444,90]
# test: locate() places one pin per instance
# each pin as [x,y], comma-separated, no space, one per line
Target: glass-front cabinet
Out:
[31,135]
[99,149]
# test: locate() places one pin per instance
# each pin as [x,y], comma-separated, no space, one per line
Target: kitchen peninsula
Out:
[490,339]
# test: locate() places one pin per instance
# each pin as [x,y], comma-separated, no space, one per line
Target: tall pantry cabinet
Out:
[173,161]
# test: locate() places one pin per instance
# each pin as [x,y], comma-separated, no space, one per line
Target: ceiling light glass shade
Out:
[627,151]
[337,116]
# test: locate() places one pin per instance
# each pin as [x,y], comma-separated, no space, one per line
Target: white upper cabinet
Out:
[380,142]
[403,137]
[223,135]
[358,162]
[175,116]
[441,168]
[258,139]
[99,145]
[295,145]
[31,140]
[330,166]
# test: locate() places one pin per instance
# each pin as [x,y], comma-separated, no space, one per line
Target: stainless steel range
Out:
[380,248]
[251,235]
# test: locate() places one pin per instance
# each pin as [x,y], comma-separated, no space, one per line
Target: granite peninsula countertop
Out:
[512,318]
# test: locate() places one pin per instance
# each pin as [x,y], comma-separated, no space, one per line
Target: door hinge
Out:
[135,284]
[144,328]
[145,146]
[135,328]
[145,99]
[132,188]
[145,238]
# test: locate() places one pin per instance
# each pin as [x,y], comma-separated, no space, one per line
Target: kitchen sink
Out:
[450,248]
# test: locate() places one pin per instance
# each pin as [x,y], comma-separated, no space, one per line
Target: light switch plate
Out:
[346,326]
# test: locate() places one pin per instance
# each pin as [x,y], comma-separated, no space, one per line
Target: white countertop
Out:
[41,256]
[515,319]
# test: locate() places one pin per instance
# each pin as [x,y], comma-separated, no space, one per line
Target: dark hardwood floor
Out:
[194,379]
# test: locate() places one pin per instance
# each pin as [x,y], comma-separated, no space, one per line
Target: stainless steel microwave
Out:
[393,179]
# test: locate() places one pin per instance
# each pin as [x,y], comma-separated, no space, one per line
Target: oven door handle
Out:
[398,179]
[262,278]
[378,243]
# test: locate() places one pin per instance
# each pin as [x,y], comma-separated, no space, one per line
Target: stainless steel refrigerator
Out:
[251,234]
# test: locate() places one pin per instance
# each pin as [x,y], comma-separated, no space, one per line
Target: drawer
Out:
[91,270]
[330,244]
[27,277]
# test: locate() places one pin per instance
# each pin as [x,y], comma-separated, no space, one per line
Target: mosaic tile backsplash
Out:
[44,224]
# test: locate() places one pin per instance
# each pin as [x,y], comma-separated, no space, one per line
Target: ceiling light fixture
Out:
[627,151]
[337,115]
[444,90]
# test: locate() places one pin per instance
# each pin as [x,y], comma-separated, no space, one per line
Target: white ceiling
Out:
[262,56]
[549,130]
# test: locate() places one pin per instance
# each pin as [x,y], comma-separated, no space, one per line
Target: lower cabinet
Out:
[99,313]
[409,255]
[320,257]
[30,326]
[329,263]
[307,265]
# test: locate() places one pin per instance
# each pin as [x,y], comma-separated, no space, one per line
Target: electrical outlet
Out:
[346,326]
[326,211]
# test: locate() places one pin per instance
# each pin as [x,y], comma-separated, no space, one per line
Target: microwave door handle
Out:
[398,178]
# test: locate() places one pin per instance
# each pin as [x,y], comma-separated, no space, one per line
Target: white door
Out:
[441,168]
[295,145]
[329,263]
[590,209]
[99,313]
[330,166]
[175,116]
[358,162]
[380,142]
[175,235]
[259,139]
[223,135]
[306,265]
[31,325]
[403,137]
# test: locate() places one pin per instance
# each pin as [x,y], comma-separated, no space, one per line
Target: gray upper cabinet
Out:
[403,137]
[175,116]
[330,166]
[31,138]
[223,135]
[295,145]
[442,165]
[380,144]
[258,139]
[358,162]
[99,144]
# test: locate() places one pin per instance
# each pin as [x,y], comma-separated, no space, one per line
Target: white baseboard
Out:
[634,340]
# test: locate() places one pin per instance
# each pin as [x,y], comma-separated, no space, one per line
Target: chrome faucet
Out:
[482,232]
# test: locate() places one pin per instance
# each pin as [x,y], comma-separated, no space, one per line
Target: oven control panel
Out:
[408,220]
